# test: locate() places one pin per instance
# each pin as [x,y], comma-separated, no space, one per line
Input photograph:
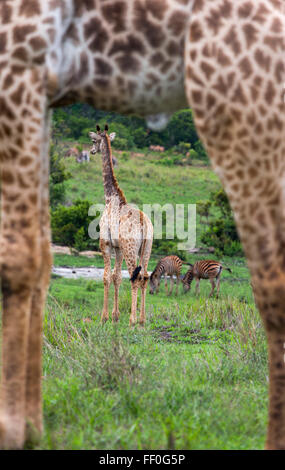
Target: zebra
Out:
[166,266]
[205,269]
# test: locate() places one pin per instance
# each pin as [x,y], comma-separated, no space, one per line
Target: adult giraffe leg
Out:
[21,125]
[240,117]
[34,418]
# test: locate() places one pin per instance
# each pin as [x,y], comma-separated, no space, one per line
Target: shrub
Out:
[58,175]
[70,226]
[221,232]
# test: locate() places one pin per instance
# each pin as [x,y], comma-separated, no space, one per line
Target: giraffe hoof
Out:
[115,317]
[11,438]
[104,319]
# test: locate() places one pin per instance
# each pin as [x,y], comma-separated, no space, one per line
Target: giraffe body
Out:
[135,56]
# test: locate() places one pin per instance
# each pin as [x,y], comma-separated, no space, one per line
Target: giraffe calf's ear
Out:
[112,135]
[98,128]
[106,127]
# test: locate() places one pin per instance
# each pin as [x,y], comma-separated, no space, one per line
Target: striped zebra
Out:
[205,269]
[167,266]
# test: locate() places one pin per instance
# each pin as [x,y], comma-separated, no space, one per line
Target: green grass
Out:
[143,182]
[194,377]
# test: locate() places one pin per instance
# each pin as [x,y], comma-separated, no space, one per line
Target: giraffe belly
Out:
[137,67]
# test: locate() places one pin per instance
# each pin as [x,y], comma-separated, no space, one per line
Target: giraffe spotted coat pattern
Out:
[225,58]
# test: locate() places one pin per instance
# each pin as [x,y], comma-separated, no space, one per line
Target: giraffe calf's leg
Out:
[144,281]
[117,279]
[107,278]
[19,269]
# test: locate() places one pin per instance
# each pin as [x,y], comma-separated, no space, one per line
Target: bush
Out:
[70,226]
[221,232]
[58,175]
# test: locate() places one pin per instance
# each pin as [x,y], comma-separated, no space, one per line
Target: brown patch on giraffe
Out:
[8,81]
[115,14]
[21,32]
[17,96]
[7,177]
[214,20]
[156,58]
[274,43]
[223,59]
[128,45]
[173,48]
[5,13]
[128,63]
[83,5]
[207,69]
[164,67]
[3,42]
[264,61]
[261,14]
[245,67]
[38,43]
[30,8]
[177,22]
[270,92]
[220,85]
[196,32]
[250,33]
[21,53]
[157,8]
[276,26]
[102,67]
[94,29]
[245,10]
[152,32]
[197,96]
[231,39]
[210,101]
[5,110]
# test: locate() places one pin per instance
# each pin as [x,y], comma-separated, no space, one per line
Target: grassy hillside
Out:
[143,180]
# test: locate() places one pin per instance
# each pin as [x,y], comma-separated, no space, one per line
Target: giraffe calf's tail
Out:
[228,269]
[135,274]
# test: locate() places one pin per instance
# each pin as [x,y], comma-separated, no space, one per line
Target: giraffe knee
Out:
[20,265]
[270,299]
[144,281]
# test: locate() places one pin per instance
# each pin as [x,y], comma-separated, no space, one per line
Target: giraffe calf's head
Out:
[97,139]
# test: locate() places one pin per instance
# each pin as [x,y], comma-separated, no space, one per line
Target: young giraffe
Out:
[124,228]
[135,56]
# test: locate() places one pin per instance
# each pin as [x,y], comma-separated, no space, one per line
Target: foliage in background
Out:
[74,122]
[58,175]
[221,232]
[70,226]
